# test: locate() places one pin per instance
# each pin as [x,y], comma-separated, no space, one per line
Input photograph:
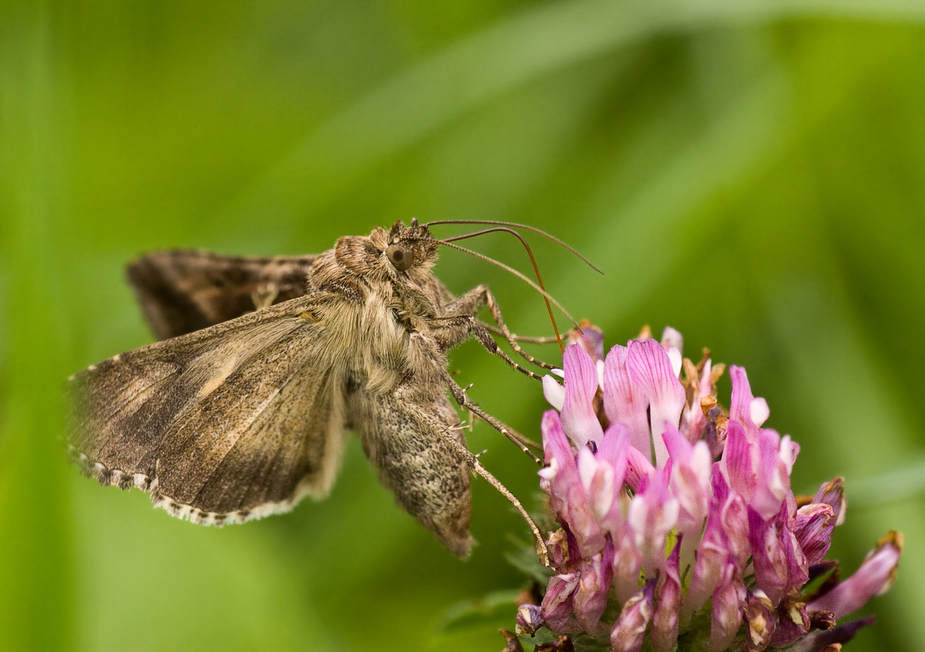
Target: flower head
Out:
[677,517]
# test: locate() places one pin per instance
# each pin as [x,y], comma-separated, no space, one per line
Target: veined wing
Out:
[181,291]
[225,424]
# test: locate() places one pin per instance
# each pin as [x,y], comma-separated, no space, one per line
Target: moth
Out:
[263,364]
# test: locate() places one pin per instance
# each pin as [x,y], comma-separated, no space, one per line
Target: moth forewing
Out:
[224,424]
[245,416]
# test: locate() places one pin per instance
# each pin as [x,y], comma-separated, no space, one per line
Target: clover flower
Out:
[679,527]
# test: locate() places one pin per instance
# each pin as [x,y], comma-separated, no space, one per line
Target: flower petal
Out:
[624,400]
[653,513]
[813,527]
[554,392]
[664,633]
[793,623]
[578,418]
[833,493]
[630,629]
[651,368]
[874,577]
[760,620]
[727,608]
[672,338]
[590,338]
[557,603]
[593,588]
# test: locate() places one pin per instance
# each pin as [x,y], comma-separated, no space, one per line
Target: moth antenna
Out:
[536,269]
[525,227]
[513,271]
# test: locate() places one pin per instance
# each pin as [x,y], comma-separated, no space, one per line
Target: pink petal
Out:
[630,629]
[557,603]
[690,482]
[671,338]
[740,404]
[759,411]
[567,496]
[590,338]
[653,513]
[664,633]
[627,563]
[833,493]
[651,368]
[874,577]
[612,454]
[739,461]
[725,541]
[727,608]
[813,527]
[638,468]
[529,619]
[624,400]
[793,623]
[554,392]
[593,588]
[778,560]
[760,620]
[597,477]
[578,418]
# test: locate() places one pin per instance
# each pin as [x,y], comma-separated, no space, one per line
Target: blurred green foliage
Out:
[751,173]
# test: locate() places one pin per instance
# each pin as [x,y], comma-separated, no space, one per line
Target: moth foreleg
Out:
[471,301]
[545,339]
[484,337]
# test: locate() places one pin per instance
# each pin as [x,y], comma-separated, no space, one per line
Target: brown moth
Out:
[240,410]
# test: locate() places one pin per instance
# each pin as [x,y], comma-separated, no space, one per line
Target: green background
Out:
[751,173]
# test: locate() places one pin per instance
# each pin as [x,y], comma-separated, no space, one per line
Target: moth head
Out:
[389,254]
[409,248]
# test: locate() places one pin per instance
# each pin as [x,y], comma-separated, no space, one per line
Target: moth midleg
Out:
[471,301]
[462,399]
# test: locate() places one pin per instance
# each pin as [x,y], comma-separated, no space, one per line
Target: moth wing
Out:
[181,291]
[225,424]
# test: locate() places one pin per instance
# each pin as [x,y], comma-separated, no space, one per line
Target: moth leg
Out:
[474,463]
[484,337]
[462,399]
[471,301]
[549,339]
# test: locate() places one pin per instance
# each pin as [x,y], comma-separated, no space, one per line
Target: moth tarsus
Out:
[240,410]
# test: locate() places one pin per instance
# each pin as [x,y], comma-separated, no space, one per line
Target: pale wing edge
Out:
[108,477]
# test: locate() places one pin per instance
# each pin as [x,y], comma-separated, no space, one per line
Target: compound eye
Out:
[400,256]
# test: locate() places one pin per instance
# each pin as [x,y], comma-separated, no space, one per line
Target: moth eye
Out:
[400,256]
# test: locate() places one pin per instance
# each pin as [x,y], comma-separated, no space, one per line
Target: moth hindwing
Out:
[242,410]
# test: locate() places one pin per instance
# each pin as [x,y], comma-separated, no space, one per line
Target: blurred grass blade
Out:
[36,600]
[431,94]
